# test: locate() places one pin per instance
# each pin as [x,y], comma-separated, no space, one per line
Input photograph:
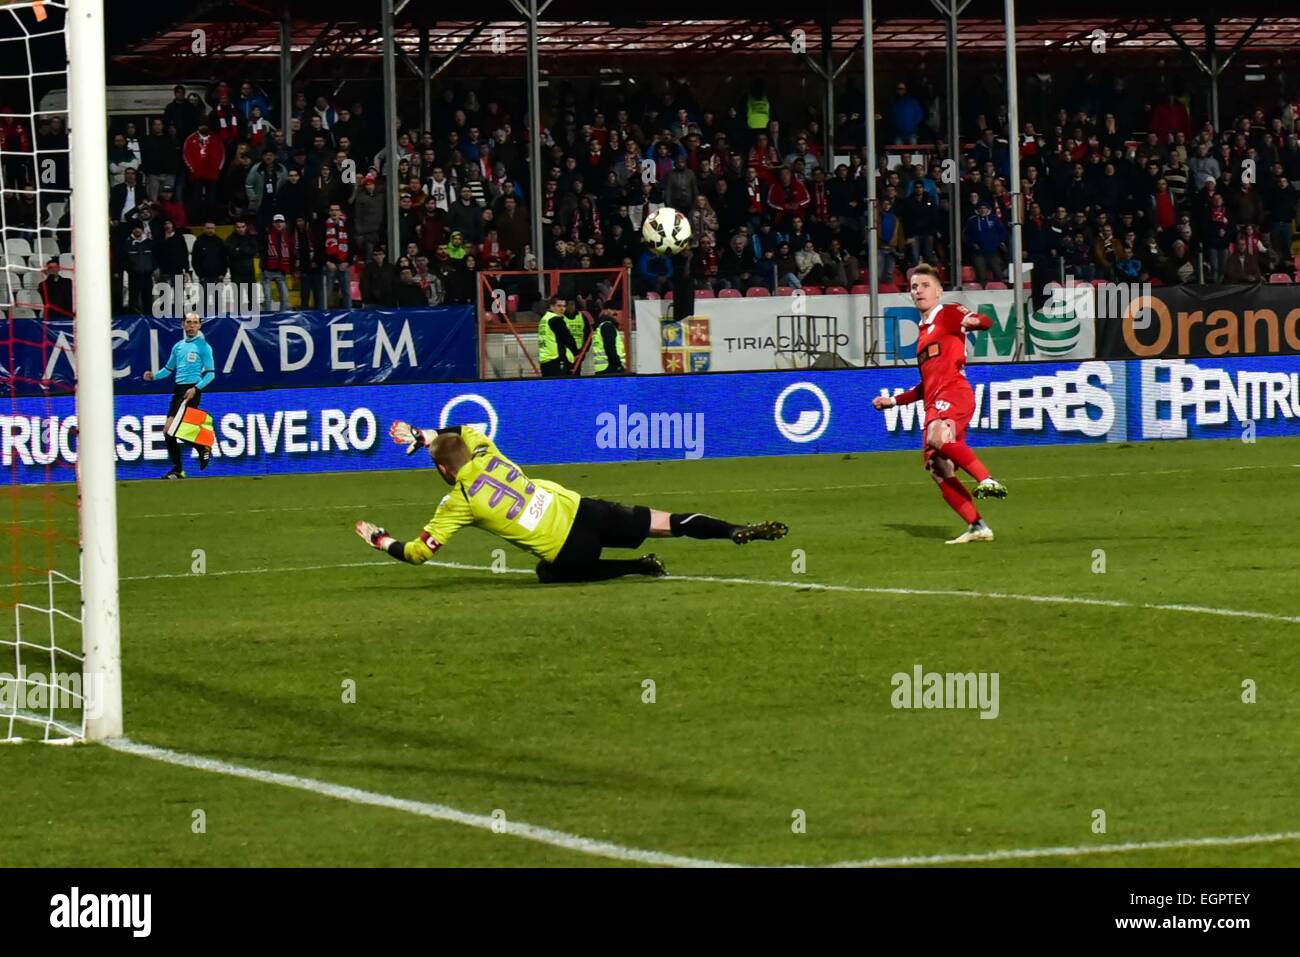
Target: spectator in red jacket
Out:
[278,261]
[1170,117]
[204,156]
[786,199]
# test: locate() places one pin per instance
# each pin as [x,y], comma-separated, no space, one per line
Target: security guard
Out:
[607,344]
[555,345]
[577,324]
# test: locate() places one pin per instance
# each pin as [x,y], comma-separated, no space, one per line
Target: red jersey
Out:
[941,355]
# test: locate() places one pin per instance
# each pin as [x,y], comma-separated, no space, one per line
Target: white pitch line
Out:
[439,812]
[619,852]
[769,583]
[1029,853]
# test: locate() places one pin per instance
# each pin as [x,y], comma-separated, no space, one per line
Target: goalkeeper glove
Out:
[374,535]
[405,434]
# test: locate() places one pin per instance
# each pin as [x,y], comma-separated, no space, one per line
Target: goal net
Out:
[59,661]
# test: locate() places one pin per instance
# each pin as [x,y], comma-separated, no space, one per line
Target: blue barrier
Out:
[276,350]
[667,417]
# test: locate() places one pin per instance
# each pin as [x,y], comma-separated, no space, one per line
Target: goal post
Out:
[96,466]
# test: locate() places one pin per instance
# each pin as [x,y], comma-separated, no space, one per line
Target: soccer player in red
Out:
[949,402]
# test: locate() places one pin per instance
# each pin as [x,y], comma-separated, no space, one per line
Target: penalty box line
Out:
[619,852]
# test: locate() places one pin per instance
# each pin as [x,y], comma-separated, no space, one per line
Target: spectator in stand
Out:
[205,157]
[1243,266]
[160,158]
[278,261]
[919,215]
[224,119]
[1281,214]
[173,255]
[140,269]
[787,199]
[461,281]
[905,115]
[1128,268]
[986,240]
[1105,252]
[180,118]
[736,266]
[209,258]
[120,159]
[1203,167]
[242,248]
[336,257]
[379,280]
[262,185]
[308,263]
[1163,207]
[892,241]
[55,293]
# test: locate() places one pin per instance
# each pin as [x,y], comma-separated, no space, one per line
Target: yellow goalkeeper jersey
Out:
[495,494]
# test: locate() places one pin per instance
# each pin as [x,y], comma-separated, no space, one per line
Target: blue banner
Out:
[271,351]
[681,417]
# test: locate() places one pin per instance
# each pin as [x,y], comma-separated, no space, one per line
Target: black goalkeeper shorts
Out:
[600,524]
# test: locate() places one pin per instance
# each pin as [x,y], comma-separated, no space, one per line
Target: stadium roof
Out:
[576,33]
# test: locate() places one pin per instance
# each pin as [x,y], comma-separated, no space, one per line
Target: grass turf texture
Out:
[485,691]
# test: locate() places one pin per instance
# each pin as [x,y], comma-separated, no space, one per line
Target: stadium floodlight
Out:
[59,178]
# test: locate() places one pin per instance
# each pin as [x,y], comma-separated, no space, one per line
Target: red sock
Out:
[962,455]
[959,499]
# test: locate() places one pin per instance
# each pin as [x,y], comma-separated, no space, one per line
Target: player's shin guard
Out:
[965,458]
[959,498]
[696,525]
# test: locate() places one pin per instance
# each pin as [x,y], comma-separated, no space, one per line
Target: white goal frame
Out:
[96,465]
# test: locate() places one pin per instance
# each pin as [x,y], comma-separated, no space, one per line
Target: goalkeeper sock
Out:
[696,525]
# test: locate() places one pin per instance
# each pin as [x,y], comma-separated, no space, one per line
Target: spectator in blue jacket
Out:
[986,239]
[655,273]
[249,97]
[906,115]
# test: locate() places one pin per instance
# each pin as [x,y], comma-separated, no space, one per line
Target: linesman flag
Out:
[194,426]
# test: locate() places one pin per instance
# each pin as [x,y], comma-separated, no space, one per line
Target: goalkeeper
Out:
[564,530]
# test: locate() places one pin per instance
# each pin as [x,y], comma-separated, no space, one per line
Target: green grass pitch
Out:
[487,692]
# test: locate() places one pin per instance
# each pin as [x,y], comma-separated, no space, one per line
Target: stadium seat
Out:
[653,296]
[704,294]
[1156,282]
[812,290]
[889,287]
[668,296]
[512,304]
[836,291]
[785,290]
[17,247]
[994,284]
[1098,283]
[757,291]
[1279,277]
[1296,262]
[729,294]
[967,274]
[65,260]
[47,246]
[356,291]
[972,287]
[861,289]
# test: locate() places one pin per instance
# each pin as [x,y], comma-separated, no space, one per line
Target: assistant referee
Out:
[191,363]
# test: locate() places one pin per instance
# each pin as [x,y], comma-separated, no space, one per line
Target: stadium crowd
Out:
[1112,190]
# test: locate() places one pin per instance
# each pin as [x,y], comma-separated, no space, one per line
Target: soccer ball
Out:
[666,232]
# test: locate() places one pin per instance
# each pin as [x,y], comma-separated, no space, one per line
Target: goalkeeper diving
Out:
[564,530]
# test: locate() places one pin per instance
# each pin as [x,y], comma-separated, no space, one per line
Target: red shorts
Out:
[959,410]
